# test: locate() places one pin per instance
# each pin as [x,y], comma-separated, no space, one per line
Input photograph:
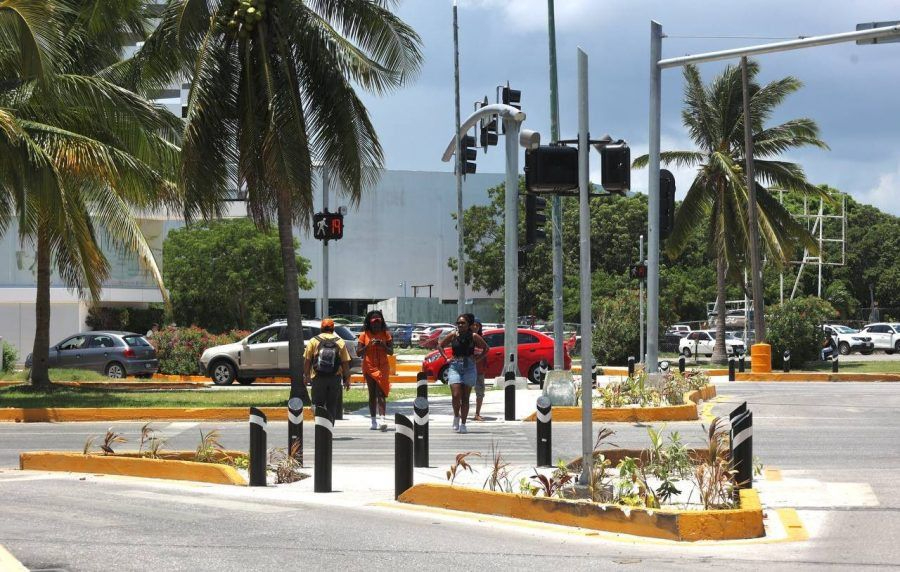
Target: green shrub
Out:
[616,331]
[796,325]
[179,349]
[10,357]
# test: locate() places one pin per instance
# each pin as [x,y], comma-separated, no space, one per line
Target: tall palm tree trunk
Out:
[291,296]
[40,353]
[719,354]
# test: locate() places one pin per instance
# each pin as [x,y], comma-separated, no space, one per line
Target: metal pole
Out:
[653,198]
[556,202]
[511,286]
[584,229]
[641,356]
[324,244]
[460,163]
[759,322]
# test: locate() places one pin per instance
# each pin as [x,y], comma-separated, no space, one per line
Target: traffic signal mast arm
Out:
[504,111]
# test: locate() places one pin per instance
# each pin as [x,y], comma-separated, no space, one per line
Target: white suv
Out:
[703,341]
[885,336]
[849,340]
[264,353]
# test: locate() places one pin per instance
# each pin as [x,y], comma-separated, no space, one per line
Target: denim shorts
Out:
[462,370]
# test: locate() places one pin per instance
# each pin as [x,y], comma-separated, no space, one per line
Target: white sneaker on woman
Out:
[456,424]
[462,429]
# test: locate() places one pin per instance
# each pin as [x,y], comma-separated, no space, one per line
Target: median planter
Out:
[67,414]
[746,521]
[685,412]
[171,466]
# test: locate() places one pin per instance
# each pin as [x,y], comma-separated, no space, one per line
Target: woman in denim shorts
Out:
[462,372]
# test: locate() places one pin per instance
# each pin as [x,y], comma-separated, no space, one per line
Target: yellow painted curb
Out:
[679,525]
[9,563]
[686,412]
[818,376]
[615,370]
[67,414]
[131,466]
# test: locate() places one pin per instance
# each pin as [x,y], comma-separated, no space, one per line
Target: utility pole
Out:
[325,183]
[653,200]
[460,164]
[759,322]
[584,229]
[556,202]
[643,357]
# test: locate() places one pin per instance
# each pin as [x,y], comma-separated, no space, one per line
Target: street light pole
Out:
[653,200]
[584,229]
[759,322]
[642,357]
[460,164]
[325,183]
[511,254]
[556,202]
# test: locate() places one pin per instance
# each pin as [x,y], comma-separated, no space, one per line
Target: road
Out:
[834,444]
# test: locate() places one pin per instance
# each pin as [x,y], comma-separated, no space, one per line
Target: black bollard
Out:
[834,364]
[339,410]
[787,361]
[681,361]
[741,363]
[258,452]
[544,443]
[630,367]
[420,417]
[739,410]
[324,436]
[742,449]
[731,368]
[422,384]
[295,429]
[403,455]
[510,396]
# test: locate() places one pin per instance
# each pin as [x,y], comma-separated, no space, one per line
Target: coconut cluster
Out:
[245,16]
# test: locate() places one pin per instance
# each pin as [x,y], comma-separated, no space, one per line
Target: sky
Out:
[850,91]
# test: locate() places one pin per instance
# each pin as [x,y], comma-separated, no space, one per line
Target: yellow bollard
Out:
[761,358]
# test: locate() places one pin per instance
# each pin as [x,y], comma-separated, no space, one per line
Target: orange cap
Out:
[327,323]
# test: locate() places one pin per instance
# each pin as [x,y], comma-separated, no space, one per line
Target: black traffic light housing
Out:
[487,128]
[666,203]
[511,97]
[615,164]
[328,226]
[535,219]
[551,169]
[467,154]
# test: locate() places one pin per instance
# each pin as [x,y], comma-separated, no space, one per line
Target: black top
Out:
[463,345]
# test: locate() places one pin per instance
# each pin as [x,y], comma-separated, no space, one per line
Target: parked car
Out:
[535,351]
[264,353]
[849,340]
[116,354]
[424,330]
[884,336]
[431,342]
[402,334]
[679,329]
[702,342]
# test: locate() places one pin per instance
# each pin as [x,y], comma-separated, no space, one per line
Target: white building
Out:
[400,236]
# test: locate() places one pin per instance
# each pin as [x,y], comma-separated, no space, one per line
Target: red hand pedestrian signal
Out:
[328,226]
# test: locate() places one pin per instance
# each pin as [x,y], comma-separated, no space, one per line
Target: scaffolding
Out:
[816,225]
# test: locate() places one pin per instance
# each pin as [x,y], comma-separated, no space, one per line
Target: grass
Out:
[856,367]
[414,351]
[23,396]
[58,375]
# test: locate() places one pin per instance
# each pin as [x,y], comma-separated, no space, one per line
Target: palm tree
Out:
[272,94]
[79,155]
[713,115]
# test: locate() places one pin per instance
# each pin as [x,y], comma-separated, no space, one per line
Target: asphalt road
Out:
[834,444]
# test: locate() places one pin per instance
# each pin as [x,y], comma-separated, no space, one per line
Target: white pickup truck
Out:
[849,340]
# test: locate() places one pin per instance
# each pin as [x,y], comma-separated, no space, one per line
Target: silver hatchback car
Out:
[116,354]
[264,353]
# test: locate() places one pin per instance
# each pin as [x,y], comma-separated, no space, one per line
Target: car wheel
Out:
[246,380]
[222,373]
[889,352]
[115,370]
[444,375]
[686,352]
[866,352]
[537,373]
[844,348]
[897,346]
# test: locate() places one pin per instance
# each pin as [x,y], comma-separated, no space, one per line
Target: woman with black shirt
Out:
[462,373]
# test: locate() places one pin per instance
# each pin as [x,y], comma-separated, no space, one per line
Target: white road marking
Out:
[205,501]
[813,493]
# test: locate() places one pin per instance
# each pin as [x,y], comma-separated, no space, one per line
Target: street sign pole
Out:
[324,245]
[511,255]
[641,356]
[584,228]
[556,202]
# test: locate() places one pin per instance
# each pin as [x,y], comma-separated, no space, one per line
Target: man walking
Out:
[326,363]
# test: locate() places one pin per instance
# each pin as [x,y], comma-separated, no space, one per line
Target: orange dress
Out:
[375,364]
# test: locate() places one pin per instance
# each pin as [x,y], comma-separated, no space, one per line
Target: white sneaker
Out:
[374,426]
[456,424]
[462,429]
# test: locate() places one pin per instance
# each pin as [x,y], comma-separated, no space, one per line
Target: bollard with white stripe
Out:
[420,417]
[731,366]
[295,429]
[403,454]
[742,446]
[544,431]
[787,361]
[681,361]
[324,436]
[422,384]
[509,396]
[631,366]
[834,364]
[258,424]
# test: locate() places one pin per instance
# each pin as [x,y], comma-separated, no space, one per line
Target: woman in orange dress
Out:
[375,345]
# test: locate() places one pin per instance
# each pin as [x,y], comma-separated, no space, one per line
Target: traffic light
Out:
[666,203]
[535,218]
[551,169]
[511,97]
[639,271]
[328,226]
[488,129]
[467,154]
[615,163]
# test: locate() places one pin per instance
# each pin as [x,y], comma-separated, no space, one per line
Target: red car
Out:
[534,347]
[431,341]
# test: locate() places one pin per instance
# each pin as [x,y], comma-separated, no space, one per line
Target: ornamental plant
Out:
[796,325]
[179,349]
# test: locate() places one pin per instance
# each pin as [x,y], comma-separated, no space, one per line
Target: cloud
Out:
[884,194]
[531,15]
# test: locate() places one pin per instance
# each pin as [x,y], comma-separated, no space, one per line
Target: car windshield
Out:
[844,330]
[136,341]
[730,336]
[344,333]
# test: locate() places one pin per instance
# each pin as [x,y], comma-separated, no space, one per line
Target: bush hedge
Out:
[10,357]
[796,325]
[179,349]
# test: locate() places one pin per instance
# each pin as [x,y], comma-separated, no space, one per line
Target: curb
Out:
[9,563]
[686,412]
[679,525]
[816,376]
[67,414]
[176,470]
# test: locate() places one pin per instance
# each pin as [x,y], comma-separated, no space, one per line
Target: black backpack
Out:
[327,359]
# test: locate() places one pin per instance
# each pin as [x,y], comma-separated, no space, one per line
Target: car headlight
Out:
[431,358]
